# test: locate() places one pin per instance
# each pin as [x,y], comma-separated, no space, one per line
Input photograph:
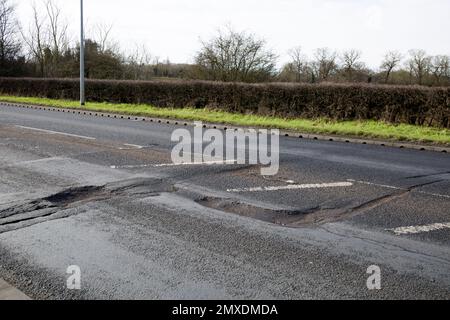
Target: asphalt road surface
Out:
[102,194]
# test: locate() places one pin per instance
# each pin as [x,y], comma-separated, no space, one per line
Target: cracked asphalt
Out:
[94,192]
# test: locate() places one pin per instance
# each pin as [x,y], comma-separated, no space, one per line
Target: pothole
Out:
[281,217]
[298,218]
[48,208]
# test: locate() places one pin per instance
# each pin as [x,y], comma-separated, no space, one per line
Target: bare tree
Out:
[391,61]
[101,34]
[351,63]
[57,29]
[9,44]
[325,63]
[298,62]
[37,40]
[440,67]
[419,64]
[138,63]
[236,56]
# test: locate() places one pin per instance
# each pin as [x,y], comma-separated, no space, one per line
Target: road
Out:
[102,194]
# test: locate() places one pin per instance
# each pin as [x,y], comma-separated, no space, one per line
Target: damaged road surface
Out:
[140,228]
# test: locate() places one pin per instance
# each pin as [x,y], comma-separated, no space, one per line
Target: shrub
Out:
[394,104]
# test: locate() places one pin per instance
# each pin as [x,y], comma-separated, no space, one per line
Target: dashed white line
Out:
[56,132]
[128,146]
[376,185]
[134,146]
[294,187]
[400,188]
[204,163]
[420,229]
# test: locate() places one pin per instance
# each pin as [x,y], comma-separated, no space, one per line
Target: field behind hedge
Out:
[394,104]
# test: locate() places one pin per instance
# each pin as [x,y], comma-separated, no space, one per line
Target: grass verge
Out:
[367,128]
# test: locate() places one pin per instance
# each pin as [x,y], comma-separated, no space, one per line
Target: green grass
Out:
[369,128]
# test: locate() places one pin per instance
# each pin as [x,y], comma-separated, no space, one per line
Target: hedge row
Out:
[395,104]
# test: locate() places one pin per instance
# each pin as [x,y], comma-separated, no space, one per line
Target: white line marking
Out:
[129,146]
[294,187]
[133,145]
[197,163]
[399,188]
[205,163]
[376,185]
[420,229]
[434,194]
[56,132]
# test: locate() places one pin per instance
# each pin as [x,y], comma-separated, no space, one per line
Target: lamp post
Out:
[82,85]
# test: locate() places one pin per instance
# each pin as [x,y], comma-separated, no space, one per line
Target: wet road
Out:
[102,193]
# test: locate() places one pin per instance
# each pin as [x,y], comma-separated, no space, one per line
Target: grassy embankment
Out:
[369,128]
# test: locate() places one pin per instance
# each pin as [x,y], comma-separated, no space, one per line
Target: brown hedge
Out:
[395,104]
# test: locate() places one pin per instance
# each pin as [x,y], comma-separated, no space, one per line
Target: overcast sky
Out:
[173,28]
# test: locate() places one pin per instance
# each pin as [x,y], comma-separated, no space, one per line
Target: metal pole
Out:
[82,90]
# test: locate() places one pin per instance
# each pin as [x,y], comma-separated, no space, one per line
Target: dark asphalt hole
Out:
[246,210]
[72,195]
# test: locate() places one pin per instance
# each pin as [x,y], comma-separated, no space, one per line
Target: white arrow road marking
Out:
[56,132]
[420,229]
[294,187]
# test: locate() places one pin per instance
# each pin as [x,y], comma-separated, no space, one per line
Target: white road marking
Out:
[376,185]
[205,163]
[133,146]
[223,162]
[434,194]
[294,187]
[420,229]
[399,188]
[56,132]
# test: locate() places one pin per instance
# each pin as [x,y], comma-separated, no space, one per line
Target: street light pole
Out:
[82,90]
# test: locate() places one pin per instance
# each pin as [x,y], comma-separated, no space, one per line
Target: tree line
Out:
[46,49]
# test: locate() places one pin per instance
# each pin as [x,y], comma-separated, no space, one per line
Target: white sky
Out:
[173,28]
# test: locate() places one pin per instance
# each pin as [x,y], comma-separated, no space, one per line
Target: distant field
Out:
[366,128]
